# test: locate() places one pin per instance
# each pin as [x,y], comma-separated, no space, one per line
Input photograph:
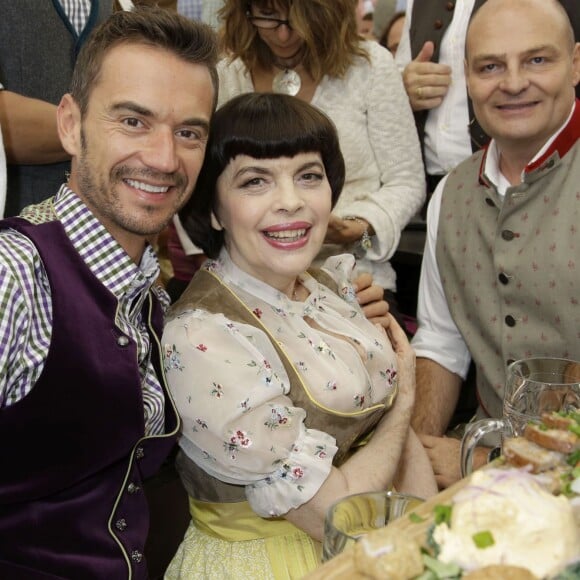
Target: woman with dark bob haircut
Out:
[276,372]
[256,130]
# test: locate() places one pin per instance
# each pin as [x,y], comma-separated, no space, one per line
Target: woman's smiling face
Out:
[274,213]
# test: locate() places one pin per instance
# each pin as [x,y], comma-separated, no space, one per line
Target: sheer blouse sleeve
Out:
[238,423]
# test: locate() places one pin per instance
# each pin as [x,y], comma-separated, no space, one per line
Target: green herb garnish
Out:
[573,458]
[416,518]
[442,514]
[483,539]
[441,569]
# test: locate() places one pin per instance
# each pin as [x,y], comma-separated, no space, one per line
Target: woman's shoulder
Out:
[379,63]
[230,69]
[234,79]
[378,54]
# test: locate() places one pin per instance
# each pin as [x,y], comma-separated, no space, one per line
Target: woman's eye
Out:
[312,177]
[254,182]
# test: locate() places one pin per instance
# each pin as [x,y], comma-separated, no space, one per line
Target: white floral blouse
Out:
[231,388]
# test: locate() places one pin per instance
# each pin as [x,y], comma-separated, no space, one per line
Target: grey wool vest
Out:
[37,57]
[511,268]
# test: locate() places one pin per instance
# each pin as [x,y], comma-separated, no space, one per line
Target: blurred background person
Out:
[365,26]
[391,36]
[311,49]
[39,43]
[384,11]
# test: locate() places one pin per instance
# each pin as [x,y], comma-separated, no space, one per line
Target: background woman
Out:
[311,49]
[278,378]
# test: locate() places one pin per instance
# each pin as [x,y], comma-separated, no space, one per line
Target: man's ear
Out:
[215,223]
[466,74]
[68,121]
[576,64]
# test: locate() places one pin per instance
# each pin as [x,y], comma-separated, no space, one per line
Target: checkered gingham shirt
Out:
[26,306]
[77,12]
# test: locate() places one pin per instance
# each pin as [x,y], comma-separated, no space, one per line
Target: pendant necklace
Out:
[287,82]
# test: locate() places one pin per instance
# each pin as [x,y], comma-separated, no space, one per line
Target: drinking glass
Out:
[353,516]
[533,386]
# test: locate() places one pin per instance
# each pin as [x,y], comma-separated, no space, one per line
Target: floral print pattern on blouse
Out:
[231,388]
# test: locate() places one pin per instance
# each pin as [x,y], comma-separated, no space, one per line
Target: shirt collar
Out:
[234,276]
[100,251]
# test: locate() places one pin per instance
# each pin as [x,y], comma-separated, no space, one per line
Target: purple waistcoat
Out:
[73,455]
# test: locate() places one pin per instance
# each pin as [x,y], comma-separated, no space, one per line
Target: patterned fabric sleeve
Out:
[23,322]
[238,424]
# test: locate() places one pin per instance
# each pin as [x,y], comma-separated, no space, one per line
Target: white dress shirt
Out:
[447,140]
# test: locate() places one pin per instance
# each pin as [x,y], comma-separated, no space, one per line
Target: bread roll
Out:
[520,452]
[560,440]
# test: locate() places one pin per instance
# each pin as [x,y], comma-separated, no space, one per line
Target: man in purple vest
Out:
[84,411]
[499,279]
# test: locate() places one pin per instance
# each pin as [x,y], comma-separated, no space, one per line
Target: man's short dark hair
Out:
[154,27]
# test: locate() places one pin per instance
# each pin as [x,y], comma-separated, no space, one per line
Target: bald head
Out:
[521,68]
[492,10]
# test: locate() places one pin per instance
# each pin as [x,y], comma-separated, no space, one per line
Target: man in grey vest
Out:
[499,279]
[430,57]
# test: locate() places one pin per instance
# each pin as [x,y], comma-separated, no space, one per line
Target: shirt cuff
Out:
[298,477]
[451,354]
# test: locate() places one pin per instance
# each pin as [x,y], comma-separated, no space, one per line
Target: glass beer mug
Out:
[534,386]
[354,516]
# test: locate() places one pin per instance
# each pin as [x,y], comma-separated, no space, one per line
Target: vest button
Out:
[139,453]
[503,279]
[132,488]
[449,6]
[507,235]
[136,556]
[438,24]
[122,341]
[121,524]
[510,320]
[489,201]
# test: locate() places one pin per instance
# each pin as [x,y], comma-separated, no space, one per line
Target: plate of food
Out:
[517,518]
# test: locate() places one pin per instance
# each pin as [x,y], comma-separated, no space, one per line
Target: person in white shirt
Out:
[498,280]
[430,57]
[435,82]
[39,43]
